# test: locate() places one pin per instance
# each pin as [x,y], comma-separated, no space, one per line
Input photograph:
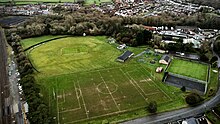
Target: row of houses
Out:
[188,35]
[152,7]
[35,9]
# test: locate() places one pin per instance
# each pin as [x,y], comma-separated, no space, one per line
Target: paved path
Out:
[181,113]
[139,54]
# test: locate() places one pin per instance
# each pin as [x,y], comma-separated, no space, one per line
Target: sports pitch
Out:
[81,81]
[189,68]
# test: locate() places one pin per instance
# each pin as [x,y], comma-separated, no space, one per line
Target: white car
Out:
[17,73]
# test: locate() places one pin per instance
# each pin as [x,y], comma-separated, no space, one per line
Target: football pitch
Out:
[189,68]
[102,92]
[81,81]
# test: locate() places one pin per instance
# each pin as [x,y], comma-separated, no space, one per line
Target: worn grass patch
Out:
[81,81]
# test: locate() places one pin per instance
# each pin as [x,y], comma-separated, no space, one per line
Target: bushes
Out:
[152,107]
[193,99]
[183,88]
[38,110]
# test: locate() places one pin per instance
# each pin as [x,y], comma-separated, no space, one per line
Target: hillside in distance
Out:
[213,3]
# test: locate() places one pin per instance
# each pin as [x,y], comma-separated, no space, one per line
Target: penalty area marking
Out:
[78,95]
[87,111]
[156,83]
[130,80]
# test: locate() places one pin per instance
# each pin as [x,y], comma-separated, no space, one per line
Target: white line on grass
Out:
[156,84]
[87,112]
[64,97]
[99,96]
[146,76]
[133,84]
[104,115]
[117,112]
[86,71]
[109,91]
[49,100]
[70,110]
[136,84]
[58,116]
[153,85]
[54,95]
[77,96]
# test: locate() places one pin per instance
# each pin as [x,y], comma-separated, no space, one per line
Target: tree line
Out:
[38,111]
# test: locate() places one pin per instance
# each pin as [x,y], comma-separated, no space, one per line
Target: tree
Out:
[204,58]
[213,59]
[152,107]
[15,38]
[193,99]
[214,64]
[80,29]
[183,88]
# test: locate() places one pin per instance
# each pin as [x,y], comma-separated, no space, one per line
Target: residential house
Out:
[165,59]
[196,43]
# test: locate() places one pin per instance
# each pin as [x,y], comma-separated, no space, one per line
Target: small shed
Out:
[165,59]
[159,69]
[160,51]
[125,56]
[122,46]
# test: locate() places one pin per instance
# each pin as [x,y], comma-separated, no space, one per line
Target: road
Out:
[14,91]
[5,111]
[177,114]
[181,113]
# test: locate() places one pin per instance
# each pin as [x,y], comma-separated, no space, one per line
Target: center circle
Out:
[107,87]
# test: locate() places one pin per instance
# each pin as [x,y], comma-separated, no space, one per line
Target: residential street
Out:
[15,92]
[5,111]
[11,111]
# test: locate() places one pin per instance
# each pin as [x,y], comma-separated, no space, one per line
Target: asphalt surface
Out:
[177,114]
[15,91]
[5,111]
[181,113]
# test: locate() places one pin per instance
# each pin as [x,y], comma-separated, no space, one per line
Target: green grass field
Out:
[81,81]
[190,69]
[213,118]
[31,41]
